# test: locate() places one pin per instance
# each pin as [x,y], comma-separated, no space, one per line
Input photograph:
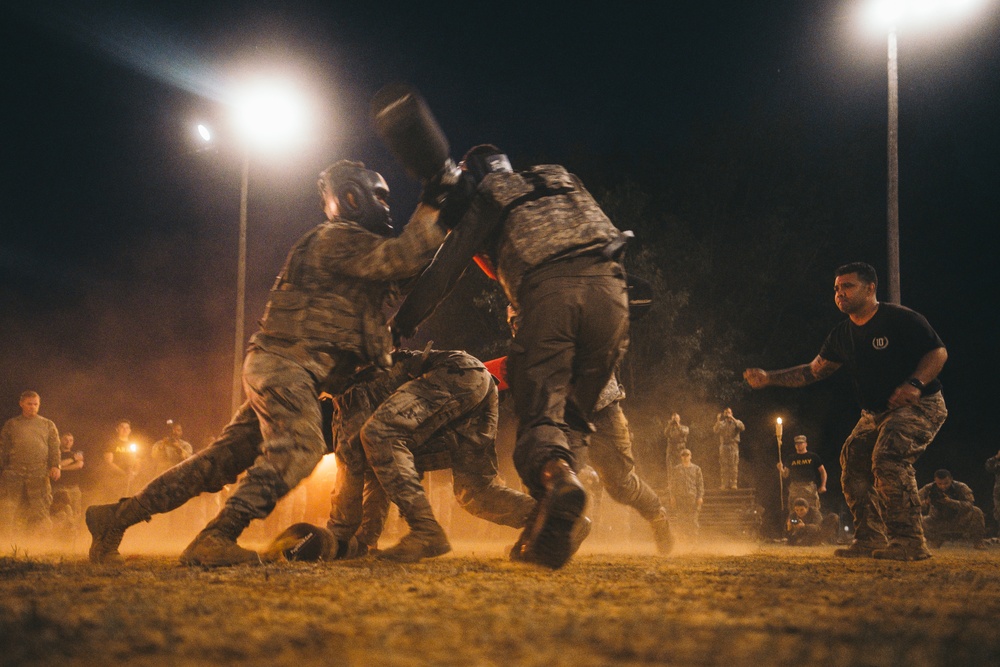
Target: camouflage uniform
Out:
[553,249]
[428,411]
[677,435]
[323,319]
[610,453]
[29,448]
[880,485]
[993,466]
[728,430]
[952,513]
[686,487]
[571,301]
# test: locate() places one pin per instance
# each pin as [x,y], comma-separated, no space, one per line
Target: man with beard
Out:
[894,358]
[324,319]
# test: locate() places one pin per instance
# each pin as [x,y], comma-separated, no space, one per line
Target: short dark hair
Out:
[942,474]
[800,502]
[28,394]
[866,272]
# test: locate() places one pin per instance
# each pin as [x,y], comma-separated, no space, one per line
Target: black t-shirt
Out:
[882,353]
[804,467]
[69,478]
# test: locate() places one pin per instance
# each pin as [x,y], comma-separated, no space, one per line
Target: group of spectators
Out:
[948,506]
[45,480]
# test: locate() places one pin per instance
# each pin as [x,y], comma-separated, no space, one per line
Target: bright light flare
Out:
[133,448]
[206,135]
[270,114]
[778,427]
[892,13]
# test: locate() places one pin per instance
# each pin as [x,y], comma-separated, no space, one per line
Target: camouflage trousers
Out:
[425,413]
[25,500]
[967,524]
[807,490]
[610,453]
[878,478]
[572,332]
[275,437]
[729,465]
[685,517]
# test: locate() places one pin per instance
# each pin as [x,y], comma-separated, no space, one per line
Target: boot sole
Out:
[552,545]
[412,558]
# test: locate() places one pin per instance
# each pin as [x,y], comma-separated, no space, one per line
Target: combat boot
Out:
[549,539]
[215,545]
[897,551]
[854,550]
[426,539]
[580,533]
[107,525]
[662,534]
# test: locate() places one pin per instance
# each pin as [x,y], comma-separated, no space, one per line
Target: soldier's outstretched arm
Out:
[796,376]
[354,251]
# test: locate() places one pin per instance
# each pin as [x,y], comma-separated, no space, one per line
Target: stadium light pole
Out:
[267,115]
[889,14]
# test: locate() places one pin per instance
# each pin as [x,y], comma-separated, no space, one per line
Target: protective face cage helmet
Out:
[360,193]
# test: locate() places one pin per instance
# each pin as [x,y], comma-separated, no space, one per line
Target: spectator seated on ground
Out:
[807,527]
[950,512]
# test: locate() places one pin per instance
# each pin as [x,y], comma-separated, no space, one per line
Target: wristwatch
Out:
[916,383]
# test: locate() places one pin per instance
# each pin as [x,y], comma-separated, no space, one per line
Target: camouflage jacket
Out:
[948,503]
[546,214]
[330,295]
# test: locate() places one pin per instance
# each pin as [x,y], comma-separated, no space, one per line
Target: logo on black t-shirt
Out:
[880,342]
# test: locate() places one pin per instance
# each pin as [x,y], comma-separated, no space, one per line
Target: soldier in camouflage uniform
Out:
[993,466]
[677,436]
[950,512]
[894,357]
[728,428]
[428,411]
[29,462]
[687,494]
[555,253]
[323,320]
[610,453]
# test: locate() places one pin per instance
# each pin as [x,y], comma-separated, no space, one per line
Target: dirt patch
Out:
[743,604]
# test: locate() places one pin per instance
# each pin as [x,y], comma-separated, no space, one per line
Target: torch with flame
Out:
[778,429]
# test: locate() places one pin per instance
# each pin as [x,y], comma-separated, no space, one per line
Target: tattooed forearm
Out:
[796,376]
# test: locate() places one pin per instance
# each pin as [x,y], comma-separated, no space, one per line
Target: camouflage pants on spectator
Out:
[729,465]
[878,478]
[964,525]
[805,490]
[24,499]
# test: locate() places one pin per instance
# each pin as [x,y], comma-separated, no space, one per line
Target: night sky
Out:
[118,231]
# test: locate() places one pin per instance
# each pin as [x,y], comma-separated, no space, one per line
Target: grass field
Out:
[739,604]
